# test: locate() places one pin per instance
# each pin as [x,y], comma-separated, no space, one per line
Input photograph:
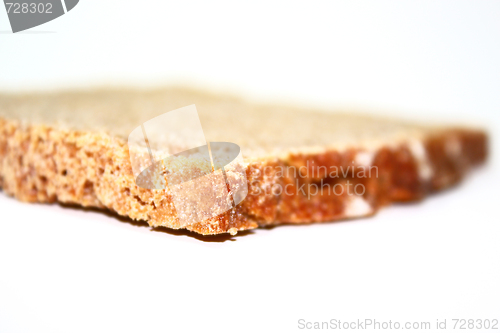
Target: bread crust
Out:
[44,163]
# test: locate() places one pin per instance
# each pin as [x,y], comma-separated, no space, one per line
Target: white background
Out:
[70,270]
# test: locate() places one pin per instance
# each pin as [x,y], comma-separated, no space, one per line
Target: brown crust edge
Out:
[44,164]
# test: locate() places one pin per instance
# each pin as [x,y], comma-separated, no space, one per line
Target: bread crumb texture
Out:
[44,160]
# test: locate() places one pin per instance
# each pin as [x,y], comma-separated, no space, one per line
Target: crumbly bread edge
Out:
[41,163]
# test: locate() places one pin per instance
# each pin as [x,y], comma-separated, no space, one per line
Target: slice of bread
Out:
[301,165]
